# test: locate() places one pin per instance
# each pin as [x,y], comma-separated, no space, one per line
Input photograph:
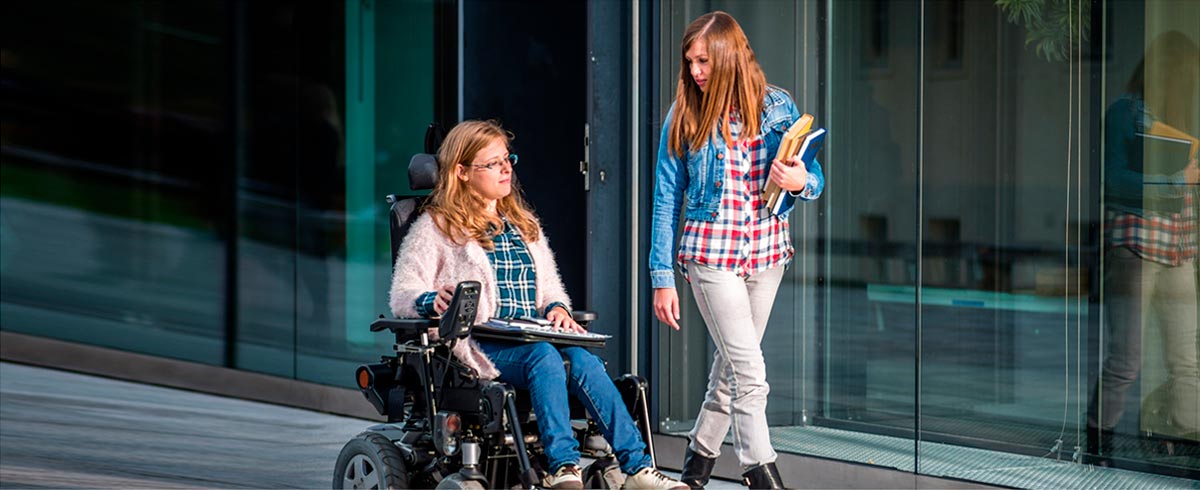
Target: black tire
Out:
[457,482]
[370,461]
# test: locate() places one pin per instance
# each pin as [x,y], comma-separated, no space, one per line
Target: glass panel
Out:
[832,364]
[1007,204]
[389,84]
[113,141]
[1016,277]
[326,147]
[866,329]
[290,211]
[988,182]
[1143,410]
[691,349]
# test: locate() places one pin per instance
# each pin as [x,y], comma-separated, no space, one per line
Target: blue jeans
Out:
[538,367]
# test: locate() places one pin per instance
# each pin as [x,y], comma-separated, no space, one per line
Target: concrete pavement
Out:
[68,430]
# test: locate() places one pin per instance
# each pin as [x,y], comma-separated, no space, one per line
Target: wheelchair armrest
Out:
[583,316]
[403,325]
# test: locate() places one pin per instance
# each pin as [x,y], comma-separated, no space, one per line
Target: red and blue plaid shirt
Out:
[738,241]
[1165,238]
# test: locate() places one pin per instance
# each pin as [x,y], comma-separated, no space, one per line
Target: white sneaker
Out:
[567,476]
[650,477]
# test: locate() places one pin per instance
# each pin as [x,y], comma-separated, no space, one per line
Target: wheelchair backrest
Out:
[422,175]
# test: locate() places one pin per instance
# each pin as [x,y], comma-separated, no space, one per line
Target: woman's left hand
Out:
[791,178]
[561,318]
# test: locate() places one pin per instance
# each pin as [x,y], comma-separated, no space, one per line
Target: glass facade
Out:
[114,200]
[995,276]
[204,180]
[1000,278]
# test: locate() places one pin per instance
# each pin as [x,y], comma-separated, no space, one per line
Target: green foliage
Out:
[1055,27]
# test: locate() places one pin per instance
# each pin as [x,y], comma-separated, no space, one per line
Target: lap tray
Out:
[523,331]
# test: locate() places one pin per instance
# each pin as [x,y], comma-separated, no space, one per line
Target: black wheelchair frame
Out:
[446,428]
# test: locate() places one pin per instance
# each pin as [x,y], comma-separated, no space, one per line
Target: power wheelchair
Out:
[446,428]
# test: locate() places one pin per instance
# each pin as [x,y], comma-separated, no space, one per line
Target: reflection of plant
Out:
[1056,27]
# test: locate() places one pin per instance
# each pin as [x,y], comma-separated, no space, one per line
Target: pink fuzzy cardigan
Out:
[427,260]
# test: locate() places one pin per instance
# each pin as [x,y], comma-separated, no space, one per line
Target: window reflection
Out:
[979,183]
[290,193]
[111,174]
[875,32]
[1150,244]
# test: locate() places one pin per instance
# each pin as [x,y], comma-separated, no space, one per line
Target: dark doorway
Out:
[530,74]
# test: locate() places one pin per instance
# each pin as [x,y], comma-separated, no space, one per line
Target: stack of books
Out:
[800,139]
[1167,150]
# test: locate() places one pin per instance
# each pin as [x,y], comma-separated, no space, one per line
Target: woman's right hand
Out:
[442,302]
[666,306]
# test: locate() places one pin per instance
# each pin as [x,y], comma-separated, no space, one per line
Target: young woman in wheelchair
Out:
[476,226]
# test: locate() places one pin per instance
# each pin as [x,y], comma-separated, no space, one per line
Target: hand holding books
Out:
[800,140]
[791,175]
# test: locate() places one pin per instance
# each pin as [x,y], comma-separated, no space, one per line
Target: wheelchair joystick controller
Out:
[459,317]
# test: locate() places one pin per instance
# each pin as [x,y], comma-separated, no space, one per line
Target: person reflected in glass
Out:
[717,147]
[1150,246]
[477,226]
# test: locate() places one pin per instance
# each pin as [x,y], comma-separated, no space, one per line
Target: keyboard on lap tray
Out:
[536,327]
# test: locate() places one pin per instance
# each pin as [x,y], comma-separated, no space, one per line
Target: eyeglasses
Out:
[511,160]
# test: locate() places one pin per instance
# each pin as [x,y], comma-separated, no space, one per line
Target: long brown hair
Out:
[456,209]
[735,80]
[1166,79]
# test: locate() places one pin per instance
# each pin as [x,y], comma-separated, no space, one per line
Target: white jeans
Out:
[736,312]
[1137,289]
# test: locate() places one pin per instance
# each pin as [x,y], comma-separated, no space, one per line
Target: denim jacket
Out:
[1125,186]
[702,168]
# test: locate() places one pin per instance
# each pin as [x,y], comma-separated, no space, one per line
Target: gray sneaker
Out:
[651,478]
[567,476]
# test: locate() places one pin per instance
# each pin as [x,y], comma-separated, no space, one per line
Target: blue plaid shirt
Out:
[516,278]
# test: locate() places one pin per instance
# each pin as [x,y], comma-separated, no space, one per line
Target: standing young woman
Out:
[717,146]
[478,227]
[1151,248]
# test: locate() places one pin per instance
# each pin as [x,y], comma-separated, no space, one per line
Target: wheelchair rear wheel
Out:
[370,460]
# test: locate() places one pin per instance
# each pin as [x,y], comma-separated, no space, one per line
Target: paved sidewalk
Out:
[67,430]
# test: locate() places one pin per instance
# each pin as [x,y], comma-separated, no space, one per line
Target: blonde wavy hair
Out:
[457,210]
[735,80]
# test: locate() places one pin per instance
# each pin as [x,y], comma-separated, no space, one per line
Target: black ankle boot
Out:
[696,468]
[763,476]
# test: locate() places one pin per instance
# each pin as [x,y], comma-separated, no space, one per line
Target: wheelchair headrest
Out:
[434,135]
[422,171]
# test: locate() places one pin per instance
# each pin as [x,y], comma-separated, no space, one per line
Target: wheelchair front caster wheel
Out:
[457,482]
[604,474]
